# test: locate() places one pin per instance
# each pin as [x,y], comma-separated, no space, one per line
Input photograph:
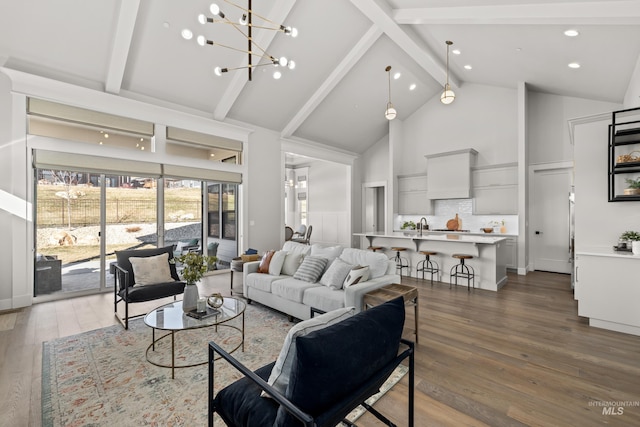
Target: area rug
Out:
[102,377]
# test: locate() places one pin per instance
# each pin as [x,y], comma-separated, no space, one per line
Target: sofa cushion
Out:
[357,274]
[334,276]
[291,263]
[323,298]
[296,248]
[261,281]
[291,288]
[240,404]
[151,270]
[265,261]
[321,375]
[311,269]
[376,261]
[328,252]
[277,260]
[279,377]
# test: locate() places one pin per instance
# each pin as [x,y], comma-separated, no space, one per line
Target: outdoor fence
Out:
[56,212]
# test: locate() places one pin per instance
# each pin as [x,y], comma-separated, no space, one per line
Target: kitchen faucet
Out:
[421,227]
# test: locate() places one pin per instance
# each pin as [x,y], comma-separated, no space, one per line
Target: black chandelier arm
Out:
[251,12]
[250,52]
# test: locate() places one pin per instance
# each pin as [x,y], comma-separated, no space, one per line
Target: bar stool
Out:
[428,266]
[400,261]
[462,270]
[375,248]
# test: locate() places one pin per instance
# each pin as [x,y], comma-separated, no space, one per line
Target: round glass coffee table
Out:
[172,318]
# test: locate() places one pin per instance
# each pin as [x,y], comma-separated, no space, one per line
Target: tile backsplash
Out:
[444,210]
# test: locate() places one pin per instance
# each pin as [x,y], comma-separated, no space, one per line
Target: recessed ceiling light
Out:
[574,65]
[518,49]
[186,34]
[412,86]
[456,51]
[397,75]
[571,33]
[468,67]
[166,24]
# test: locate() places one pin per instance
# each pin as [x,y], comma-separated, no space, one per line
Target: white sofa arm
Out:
[354,294]
[248,268]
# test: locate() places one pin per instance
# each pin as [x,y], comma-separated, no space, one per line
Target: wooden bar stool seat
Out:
[462,270]
[427,265]
[401,262]
[375,248]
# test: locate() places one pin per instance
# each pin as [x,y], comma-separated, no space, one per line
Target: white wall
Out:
[328,198]
[548,132]
[481,117]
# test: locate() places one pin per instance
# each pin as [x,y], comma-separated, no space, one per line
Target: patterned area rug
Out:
[102,377]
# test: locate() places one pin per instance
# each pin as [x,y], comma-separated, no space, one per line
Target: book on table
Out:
[203,314]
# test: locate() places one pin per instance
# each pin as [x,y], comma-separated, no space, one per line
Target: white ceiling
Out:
[338,91]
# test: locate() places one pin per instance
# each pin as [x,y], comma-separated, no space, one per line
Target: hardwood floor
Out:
[517,357]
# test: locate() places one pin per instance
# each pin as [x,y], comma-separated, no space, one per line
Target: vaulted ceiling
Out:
[337,93]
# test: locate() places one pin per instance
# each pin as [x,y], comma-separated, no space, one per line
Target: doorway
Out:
[550,219]
[373,203]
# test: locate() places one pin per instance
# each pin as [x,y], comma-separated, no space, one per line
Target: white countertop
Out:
[442,237]
[608,252]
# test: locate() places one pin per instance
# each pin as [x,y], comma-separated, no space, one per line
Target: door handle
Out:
[538,232]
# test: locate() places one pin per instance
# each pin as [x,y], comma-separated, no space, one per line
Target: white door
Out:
[550,220]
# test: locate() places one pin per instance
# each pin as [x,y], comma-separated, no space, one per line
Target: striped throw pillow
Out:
[311,269]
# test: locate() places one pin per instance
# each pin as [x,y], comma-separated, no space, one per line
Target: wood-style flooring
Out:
[517,357]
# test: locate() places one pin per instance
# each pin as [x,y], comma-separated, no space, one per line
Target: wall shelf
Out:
[624,140]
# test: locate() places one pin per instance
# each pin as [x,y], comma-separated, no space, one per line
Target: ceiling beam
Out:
[123,33]
[380,13]
[338,73]
[619,12]
[278,13]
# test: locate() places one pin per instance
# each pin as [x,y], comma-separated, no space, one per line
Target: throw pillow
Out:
[328,252]
[277,260]
[264,263]
[291,263]
[311,269]
[336,274]
[356,275]
[151,270]
[279,377]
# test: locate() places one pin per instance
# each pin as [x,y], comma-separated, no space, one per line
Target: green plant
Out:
[633,183]
[194,266]
[630,235]
[408,225]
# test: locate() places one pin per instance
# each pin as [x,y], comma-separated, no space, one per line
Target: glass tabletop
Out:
[170,317]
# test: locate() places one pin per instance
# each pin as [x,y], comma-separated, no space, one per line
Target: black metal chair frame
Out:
[122,276]
[306,419]
[428,266]
[463,271]
[401,263]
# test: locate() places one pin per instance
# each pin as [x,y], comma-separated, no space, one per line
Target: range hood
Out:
[449,174]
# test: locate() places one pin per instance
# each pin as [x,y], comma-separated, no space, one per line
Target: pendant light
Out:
[390,113]
[447,96]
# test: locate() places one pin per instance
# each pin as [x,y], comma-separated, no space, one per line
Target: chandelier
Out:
[245,25]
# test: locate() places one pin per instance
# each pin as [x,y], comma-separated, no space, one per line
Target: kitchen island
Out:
[489,253]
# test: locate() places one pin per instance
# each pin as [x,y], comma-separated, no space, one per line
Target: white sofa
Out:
[296,297]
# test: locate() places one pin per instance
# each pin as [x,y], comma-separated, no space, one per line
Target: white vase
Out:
[635,247]
[190,299]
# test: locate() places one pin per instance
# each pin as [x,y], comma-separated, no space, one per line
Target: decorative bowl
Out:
[488,229]
[215,300]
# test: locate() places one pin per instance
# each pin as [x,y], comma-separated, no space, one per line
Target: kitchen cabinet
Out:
[412,195]
[449,174]
[495,189]
[606,287]
[511,253]
[624,154]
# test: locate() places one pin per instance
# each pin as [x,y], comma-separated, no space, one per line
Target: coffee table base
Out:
[173,365]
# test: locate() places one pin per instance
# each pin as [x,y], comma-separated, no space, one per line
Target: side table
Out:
[389,292]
